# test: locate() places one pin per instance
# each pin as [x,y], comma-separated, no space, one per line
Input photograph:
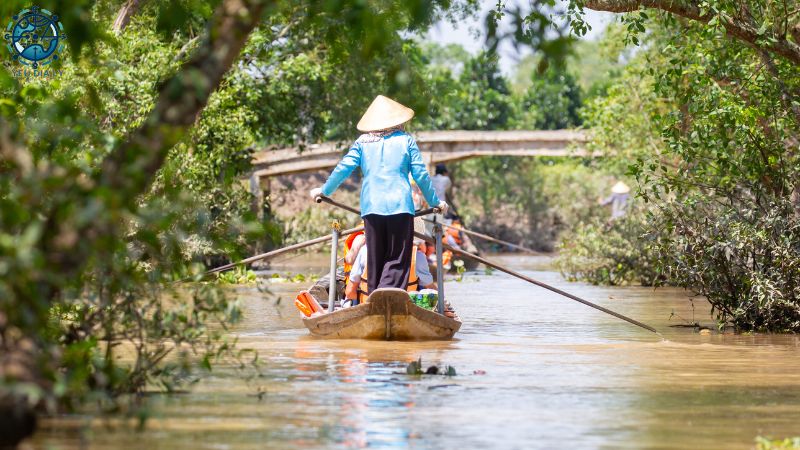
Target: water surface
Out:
[534,371]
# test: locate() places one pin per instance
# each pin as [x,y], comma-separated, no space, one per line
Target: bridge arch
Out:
[436,147]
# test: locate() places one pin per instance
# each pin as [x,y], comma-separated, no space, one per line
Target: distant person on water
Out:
[386,155]
[618,200]
[441,182]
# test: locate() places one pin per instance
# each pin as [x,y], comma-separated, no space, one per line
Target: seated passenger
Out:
[420,276]
[429,250]
[352,245]
[453,235]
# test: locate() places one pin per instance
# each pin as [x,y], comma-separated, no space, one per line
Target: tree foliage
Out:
[712,126]
[611,253]
[771,27]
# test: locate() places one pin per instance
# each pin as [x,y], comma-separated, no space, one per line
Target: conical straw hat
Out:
[384,113]
[620,188]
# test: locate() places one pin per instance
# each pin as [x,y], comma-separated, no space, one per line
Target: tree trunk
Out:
[127,172]
[18,420]
[124,15]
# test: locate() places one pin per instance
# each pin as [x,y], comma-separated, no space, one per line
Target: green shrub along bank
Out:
[610,253]
[745,261]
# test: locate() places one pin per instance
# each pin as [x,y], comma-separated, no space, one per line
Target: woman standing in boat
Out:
[387,155]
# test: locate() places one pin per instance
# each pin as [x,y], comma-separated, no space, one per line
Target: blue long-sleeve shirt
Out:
[385,163]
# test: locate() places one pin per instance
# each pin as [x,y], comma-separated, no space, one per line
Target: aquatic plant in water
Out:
[415,368]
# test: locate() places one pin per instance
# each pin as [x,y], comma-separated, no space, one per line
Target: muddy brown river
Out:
[534,370]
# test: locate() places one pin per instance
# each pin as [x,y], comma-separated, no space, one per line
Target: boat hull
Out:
[388,314]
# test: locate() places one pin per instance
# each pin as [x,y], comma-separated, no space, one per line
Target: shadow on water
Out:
[534,371]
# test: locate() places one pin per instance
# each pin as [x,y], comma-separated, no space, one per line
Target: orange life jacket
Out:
[455,232]
[447,257]
[348,245]
[413,280]
[307,304]
[430,253]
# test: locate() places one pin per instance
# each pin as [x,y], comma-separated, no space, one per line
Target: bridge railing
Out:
[436,147]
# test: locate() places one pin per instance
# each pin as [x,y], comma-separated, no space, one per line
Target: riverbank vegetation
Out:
[617,252]
[711,137]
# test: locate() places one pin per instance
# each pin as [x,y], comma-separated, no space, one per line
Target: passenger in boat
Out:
[441,181]
[386,155]
[453,235]
[358,287]
[352,246]
[430,252]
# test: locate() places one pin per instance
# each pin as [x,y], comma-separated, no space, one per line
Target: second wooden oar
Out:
[536,282]
[283,250]
[488,238]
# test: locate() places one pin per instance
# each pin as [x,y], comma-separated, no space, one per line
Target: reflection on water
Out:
[557,374]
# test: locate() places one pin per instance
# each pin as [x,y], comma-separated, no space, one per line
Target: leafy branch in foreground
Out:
[71,270]
[94,225]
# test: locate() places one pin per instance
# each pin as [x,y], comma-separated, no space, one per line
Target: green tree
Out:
[716,151]
[770,27]
[551,102]
[478,99]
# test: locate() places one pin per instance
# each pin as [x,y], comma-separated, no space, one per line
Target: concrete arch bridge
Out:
[436,147]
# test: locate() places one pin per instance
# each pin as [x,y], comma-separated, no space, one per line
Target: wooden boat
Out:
[388,314]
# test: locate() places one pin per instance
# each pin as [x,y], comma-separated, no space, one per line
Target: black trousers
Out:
[389,243]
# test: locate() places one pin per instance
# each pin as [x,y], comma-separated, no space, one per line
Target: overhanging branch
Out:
[690,10]
[130,168]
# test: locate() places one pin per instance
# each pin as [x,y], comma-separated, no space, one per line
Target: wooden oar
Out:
[488,238]
[486,262]
[536,282]
[281,251]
